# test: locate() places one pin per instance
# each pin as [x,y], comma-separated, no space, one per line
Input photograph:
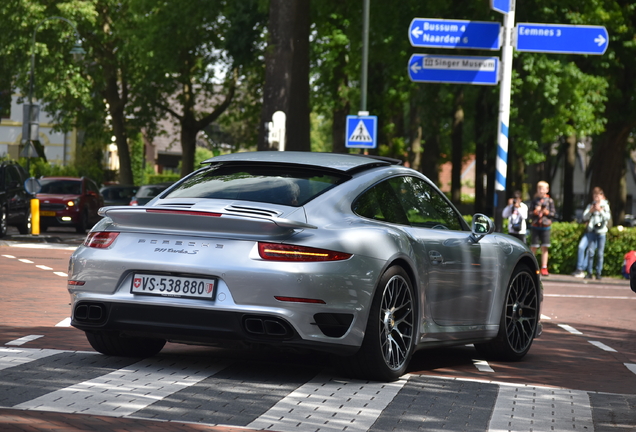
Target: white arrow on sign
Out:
[417,32]
[600,40]
[415,67]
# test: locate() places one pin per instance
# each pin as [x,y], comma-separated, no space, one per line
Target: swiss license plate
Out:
[173,286]
[47,213]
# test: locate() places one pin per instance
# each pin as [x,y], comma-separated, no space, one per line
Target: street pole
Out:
[365,55]
[76,50]
[501,166]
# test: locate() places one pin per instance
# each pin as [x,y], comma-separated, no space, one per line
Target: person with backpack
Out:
[543,212]
[517,212]
[597,216]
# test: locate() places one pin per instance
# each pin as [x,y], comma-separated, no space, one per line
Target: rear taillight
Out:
[281,252]
[100,239]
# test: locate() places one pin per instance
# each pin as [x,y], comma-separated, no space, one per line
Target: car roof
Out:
[334,161]
[61,178]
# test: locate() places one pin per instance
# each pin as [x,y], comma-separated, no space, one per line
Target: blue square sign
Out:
[361,132]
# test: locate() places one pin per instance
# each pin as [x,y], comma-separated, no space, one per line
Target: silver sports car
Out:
[352,255]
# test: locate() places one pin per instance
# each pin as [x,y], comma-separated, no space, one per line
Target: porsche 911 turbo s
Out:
[352,255]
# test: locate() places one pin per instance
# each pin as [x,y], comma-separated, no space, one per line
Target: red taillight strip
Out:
[77,283]
[299,300]
[183,212]
[283,252]
[100,239]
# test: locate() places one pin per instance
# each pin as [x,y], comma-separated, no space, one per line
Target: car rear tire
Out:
[519,319]
[3,222]
[389,338]
[25,227]
[114,345]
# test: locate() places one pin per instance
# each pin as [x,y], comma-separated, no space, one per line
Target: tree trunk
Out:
[569,160]
[341,104]
[608,167]
[415,135]
[457,137]
[287,72]
[118,118]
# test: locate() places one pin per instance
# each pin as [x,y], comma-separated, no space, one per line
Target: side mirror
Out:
[481,226]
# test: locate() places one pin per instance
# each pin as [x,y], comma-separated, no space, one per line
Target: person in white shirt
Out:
[517,212]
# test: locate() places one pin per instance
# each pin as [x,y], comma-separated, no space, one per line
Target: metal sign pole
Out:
[504,115]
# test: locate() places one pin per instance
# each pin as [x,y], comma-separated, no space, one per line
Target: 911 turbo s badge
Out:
[179,251]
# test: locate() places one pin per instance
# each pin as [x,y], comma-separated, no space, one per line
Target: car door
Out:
[460,274]
[17,199]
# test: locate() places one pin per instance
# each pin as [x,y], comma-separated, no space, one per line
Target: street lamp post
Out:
[77,49]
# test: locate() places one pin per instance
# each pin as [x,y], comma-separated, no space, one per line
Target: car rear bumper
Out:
[195,326]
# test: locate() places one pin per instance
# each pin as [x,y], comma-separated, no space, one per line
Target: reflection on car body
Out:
[346,254]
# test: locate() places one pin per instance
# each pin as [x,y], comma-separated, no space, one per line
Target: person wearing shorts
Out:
[543,211]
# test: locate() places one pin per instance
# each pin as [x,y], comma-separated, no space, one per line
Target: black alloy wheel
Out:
[519,321]
[389,338]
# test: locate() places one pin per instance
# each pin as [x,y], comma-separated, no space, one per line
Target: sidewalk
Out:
[607,280]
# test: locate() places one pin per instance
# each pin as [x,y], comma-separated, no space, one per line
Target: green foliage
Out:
[564,241]
[136,145]
[162,178]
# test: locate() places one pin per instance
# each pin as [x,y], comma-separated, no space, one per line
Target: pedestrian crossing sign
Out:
[361,132]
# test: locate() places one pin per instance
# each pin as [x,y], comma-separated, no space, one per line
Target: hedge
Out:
[564,241]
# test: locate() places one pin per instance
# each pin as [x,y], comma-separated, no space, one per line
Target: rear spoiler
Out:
[199,221]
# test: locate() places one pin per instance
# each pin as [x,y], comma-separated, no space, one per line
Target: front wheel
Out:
[389,339]
[25,226]
[519,319]
[114,345]
[4,227]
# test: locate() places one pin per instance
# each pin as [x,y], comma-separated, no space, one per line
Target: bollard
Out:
[35,216]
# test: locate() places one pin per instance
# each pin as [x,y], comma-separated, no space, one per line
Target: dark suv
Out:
[69,201]
[15,202]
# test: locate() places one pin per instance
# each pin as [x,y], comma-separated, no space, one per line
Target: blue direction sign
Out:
[440,33]
[501,6]
[454,69]
[561,39]
[362,132]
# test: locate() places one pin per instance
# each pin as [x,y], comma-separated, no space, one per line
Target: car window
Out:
[91,186]
[407,200]
[149,191]
[13,174]
[66,187]
[267,184]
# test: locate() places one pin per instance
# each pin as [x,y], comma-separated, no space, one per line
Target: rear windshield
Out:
[150,191]
[62,187]
[267,184]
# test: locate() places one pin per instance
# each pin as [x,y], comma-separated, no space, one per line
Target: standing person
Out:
[542,207]
[597,215]
[517,212]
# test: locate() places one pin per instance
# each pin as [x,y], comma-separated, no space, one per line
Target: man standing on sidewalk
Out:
[542,207]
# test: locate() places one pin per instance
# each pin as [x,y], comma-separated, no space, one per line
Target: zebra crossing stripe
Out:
[541,409]
[329,404]
[125,391]
[10,357]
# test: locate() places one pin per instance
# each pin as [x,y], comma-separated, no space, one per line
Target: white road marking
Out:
[26,261]
[62,274]
[540,409]
[66,322]
[8,256]
[482,366]
[591,296]
[329,405]
[631,367]
[43,267]
[602,346]
[24,340]
[570,329]
[10,357]
[545,317]
[128,390]
[42,246]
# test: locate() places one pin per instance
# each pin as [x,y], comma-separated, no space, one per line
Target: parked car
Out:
[69,201]
[15,202]
[352,255]
[147,193]
[118,194]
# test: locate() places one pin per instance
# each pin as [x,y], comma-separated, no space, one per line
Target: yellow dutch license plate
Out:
[47,213]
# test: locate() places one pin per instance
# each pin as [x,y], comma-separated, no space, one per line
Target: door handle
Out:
[435,257]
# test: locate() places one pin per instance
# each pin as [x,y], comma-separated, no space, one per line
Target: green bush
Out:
[564,240]
[162,178]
